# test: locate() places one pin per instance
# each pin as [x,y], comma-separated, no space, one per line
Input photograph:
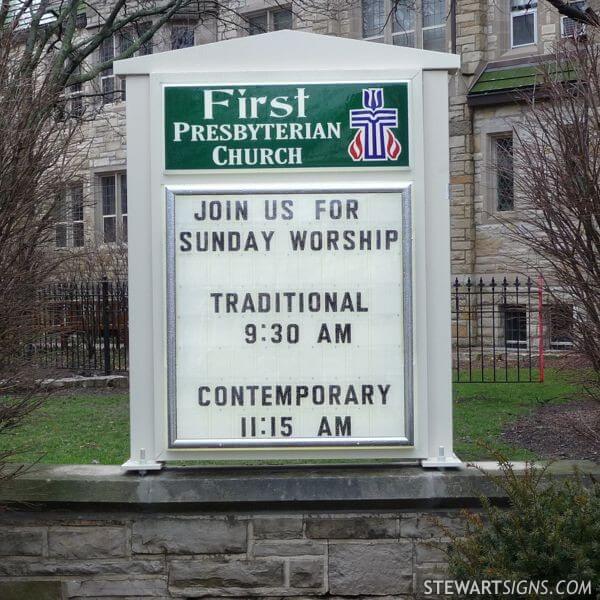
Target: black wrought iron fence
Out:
[498,330]
[85,327]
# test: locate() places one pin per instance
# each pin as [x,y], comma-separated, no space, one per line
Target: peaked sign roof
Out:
[290,51]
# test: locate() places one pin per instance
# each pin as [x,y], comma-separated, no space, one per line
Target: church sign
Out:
[300,125]
[289,252]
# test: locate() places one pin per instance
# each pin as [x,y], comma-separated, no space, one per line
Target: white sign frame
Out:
[290,57]
[407,328]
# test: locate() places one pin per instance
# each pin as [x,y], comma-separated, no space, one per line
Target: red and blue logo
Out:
[374,139]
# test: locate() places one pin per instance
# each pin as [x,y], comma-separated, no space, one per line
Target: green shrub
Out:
[549,531]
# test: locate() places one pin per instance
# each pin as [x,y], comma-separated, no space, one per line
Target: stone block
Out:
[460,179]
[211,574]
[288,548]
[457,141]
[351,527]
[430,552]
[87,542]
[28,568]
[549,29]
[31,590]
[429,526]
[277,527]
[189,536]
[425,581]
[307,573]
[118,588]
[460,127]
[370,568]
[21,542]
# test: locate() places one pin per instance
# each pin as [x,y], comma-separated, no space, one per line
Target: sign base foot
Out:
[141,466]
[443,461]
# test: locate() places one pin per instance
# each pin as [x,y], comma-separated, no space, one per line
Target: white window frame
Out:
[119,216]
[521,13]
[69,222]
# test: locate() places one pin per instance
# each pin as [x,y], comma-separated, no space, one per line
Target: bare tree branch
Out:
[557,185]
[586,16]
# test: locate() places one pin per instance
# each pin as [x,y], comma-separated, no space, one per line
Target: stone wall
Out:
[187,555]
[470,44]
[346,531]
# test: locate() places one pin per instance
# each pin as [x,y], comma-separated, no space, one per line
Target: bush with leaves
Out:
[549,531]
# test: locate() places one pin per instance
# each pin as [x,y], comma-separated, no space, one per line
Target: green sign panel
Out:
[286,126]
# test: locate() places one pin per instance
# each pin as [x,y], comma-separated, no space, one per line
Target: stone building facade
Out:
[494,38]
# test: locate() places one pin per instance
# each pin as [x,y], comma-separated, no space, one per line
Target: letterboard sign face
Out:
[289,319]
[286,126]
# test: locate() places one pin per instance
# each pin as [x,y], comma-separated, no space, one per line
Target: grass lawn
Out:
[483,410]
[77,428]
[84,427]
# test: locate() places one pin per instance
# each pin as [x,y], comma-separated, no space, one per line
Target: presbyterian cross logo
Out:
[374,139]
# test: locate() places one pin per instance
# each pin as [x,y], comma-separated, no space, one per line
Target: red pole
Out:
[541,326]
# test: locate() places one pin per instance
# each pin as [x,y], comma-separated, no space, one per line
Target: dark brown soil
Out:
[566,431]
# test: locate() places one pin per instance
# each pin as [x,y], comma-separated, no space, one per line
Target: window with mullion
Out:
[373,19]
[61,239]
[126,40]
[258,24]
[282,19]
[107,77]
[123,195]
[147,47]
[75,95]
[269,20]
[130,36]
[396,22]
[109,208]
[113,196]
[515,327]
[182,36]
[76,194]
[504,172]
[69,229]
[403,26]
[434,25]
[569,27]
[24,11]
[561,325]
[523,23]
